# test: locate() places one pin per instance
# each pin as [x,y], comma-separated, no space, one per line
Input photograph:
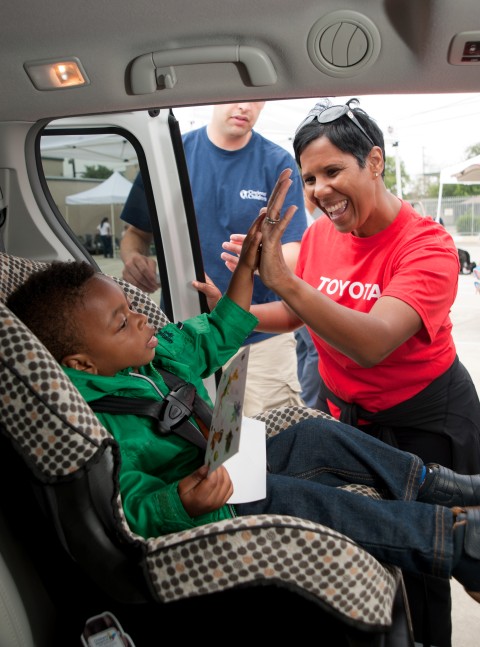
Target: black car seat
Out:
[61,507]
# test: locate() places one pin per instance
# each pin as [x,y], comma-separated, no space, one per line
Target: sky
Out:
[432,131]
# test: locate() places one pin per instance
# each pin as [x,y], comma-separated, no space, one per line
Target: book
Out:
[235,441]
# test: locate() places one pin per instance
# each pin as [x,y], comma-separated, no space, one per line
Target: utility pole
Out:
[424,183]
[398,170]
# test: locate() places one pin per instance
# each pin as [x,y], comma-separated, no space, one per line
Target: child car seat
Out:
[59,482]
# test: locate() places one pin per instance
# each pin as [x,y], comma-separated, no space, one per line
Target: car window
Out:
[89,177]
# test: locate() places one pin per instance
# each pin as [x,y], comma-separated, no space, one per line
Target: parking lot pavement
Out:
[466,332]
[465,317]
[466,313]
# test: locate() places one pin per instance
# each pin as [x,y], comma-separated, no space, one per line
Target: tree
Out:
[99,172]
[457,190]
[391,175]
[462,190]
[472,151]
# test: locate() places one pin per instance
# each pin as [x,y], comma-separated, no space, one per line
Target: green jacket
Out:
[152,464]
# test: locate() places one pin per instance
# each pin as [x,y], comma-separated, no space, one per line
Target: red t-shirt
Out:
[415,260]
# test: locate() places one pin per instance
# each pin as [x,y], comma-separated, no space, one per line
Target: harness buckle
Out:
[177,408]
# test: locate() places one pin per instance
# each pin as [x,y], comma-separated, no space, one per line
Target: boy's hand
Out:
[269,214]
[249,249]
[201,492]
[210,290]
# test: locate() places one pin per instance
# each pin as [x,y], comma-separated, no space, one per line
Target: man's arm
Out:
[139,269]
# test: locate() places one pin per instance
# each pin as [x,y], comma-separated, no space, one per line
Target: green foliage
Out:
[462,190]
[432,190]
[99,172]
[391,174]
[472,151]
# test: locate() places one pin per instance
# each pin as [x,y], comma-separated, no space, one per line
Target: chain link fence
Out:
[459,214]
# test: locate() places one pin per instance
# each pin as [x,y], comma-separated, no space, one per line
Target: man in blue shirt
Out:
[233,170]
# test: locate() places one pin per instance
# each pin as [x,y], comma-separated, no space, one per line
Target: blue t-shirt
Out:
[229,188]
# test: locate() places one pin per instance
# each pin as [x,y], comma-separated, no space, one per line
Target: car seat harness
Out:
[172,414]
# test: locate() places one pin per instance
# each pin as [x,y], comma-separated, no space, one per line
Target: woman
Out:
[374,283]
[105,232]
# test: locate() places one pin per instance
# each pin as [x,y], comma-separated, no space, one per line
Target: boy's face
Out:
[115,337]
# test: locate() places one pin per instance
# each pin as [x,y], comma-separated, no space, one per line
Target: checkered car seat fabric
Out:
[60,440]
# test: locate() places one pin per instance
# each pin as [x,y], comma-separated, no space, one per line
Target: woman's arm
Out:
[366,338]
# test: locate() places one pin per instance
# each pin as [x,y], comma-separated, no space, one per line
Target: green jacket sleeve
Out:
[199,346]
[153,507]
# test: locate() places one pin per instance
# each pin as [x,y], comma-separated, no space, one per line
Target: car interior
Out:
[98,84]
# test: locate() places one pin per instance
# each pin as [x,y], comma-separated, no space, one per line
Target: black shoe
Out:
[466,537]
[445,487]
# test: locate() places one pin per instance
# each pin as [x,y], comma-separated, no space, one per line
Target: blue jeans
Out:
[107,243]
[307,367]
[310,460]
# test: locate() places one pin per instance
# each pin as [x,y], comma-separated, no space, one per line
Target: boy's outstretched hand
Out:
[245,251]
[201,492]
[240,287]
[269,215]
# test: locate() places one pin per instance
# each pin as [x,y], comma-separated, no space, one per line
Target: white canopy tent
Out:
[105,148]
[113,191]
[467,172]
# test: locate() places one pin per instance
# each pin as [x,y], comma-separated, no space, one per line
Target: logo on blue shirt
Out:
[250,194]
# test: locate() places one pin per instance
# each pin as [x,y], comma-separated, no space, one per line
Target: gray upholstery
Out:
[14,625]
[59,437]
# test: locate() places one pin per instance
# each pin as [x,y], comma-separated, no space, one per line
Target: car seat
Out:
[60,502]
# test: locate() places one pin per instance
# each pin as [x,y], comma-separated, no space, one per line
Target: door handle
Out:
[156,70]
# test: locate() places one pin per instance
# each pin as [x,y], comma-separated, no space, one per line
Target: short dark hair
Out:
[342,133]
[46,301]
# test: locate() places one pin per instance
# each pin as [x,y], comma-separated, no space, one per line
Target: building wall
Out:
[83,219]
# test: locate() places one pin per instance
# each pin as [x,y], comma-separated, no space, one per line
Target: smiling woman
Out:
[137,74]
[371,314]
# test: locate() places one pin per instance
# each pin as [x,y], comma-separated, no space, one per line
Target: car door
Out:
[150,143]
[125,144]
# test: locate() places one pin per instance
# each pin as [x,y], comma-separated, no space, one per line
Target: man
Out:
[233,170]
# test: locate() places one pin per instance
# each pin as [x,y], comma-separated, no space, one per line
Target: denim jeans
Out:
[307,367]
[310,460]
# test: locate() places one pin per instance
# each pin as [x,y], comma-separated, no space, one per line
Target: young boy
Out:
[84,318]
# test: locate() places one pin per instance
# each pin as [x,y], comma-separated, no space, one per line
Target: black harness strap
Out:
[201,410]
[172,414]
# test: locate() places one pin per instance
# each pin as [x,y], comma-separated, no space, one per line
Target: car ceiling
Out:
[408,55]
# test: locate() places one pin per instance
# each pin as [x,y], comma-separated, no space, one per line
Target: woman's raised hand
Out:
[268,219]
[272,265]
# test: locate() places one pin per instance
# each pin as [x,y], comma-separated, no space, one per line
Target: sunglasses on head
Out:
[327,115]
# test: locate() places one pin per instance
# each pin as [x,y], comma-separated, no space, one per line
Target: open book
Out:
[235,441]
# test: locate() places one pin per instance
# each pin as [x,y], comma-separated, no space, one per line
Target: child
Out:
[85,320]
